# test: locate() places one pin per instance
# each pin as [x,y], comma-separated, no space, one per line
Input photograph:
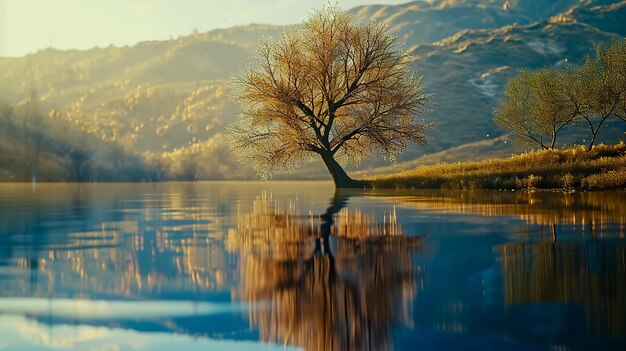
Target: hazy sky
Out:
[29,25]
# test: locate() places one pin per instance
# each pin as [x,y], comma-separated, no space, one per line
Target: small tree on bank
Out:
[539,104]
[604,77]
[332,87]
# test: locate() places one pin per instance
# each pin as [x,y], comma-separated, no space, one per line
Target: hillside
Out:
[169,100]
[421,22]
[477,151]
[468,70]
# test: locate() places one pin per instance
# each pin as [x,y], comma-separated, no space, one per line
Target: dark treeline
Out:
[46,146]
[38,143]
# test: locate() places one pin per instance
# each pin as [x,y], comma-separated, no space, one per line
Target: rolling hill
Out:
[422,22]
[168,101]
[468,70]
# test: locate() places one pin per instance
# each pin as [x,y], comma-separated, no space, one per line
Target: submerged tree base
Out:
[603,167]
[353,184]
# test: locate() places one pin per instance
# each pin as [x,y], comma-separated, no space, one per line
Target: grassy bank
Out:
[604,167]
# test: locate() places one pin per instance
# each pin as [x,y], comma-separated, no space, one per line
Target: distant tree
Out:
[7,141]
[539,104]
[27,128]
[80,153]
[157,166]
[332,87]
[7,115]
[76,145]
[79,158]
[604,78]
[615,56]
[189,170]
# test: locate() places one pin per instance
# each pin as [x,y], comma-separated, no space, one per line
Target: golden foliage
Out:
[614,179]
[330,86]
[209,159]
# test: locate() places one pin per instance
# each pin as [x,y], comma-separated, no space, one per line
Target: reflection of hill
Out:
[591,275]
[593,209]
[339,280]
[167,245]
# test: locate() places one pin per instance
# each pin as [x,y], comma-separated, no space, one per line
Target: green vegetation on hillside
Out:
[157,103]
[604,167]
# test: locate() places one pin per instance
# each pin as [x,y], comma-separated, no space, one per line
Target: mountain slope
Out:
[169,100]
[467,71]
[422,22]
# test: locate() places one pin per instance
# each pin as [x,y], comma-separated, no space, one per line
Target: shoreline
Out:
[567,169]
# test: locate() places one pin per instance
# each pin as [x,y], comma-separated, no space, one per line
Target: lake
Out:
[296,265]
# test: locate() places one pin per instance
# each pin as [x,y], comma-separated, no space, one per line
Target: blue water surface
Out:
[298,265]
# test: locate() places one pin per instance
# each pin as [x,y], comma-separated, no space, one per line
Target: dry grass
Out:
[604,167]
[606,180]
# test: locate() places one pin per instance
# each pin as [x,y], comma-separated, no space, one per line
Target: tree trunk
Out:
[340,177]
[595,133]
[77,169]
[593,140]
[555,132]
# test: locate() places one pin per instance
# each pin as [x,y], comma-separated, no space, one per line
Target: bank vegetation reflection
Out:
[570,251]
[594,210]
[590,275]
[339,280]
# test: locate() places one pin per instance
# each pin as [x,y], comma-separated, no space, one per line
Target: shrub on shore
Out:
[606,180]
[603,167]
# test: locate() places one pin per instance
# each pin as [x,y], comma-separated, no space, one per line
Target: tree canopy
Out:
[332,87]
[539,104]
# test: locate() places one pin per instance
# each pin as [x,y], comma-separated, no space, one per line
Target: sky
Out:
[27,26]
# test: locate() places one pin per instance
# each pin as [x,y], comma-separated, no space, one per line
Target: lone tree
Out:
[332,86]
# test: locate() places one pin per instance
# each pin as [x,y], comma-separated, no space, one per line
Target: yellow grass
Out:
[604,167]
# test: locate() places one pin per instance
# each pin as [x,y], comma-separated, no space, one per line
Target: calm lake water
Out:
[274,266]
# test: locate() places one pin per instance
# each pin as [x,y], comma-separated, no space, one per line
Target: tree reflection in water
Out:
[589,274]
[572,251]
[339,280]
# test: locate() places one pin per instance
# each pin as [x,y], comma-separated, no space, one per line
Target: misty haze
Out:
[349,175]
